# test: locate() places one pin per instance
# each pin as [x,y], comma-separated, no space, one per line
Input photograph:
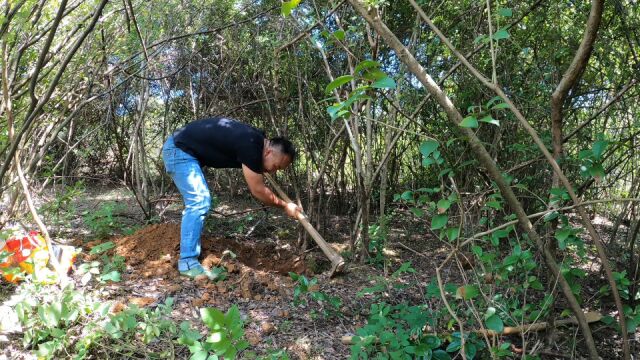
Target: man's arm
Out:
[255,181]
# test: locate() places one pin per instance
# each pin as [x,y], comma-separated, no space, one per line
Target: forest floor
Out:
[258,281]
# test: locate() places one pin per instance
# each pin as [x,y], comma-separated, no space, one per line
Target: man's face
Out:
[275,160]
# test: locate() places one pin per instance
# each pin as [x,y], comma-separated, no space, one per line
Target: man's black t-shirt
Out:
[222,143]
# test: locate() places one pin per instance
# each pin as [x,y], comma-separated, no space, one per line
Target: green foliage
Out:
[307,290]
[469,122]
[46,317]
[141,323]
[394,332]
[378,236]
[225,338]
[398,332]
[384,285]
[591,160]
[368,74]
[53,319]
[108,268]
[103,222]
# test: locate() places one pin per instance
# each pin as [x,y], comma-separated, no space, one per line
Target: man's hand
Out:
[293,210]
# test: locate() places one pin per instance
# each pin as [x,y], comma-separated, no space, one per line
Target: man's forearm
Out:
[267,197]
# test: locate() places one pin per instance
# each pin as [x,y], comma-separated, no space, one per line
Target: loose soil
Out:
[155,250]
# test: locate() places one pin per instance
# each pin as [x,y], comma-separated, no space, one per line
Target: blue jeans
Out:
[187,174]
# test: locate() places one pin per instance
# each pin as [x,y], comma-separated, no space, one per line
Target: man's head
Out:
[278,154]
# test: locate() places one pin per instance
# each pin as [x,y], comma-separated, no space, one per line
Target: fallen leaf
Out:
[267,328]
[254,339]
[141,301]
[117,307]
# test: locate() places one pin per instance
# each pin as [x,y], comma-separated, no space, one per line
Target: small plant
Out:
[60,210]
[47,317]
[382,284]
[398,332]
[103,222]
[276,355]
[306,290]
[143,323]
[225,339]
[111,265]
[378,234]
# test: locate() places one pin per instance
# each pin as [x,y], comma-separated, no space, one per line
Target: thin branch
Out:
[307,30]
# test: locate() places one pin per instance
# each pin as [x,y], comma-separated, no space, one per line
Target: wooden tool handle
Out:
[337,260]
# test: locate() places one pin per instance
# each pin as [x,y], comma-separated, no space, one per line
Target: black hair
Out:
[284,146]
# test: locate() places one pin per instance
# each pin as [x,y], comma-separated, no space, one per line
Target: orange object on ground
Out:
[30,254]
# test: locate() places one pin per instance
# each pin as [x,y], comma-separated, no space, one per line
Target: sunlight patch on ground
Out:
[111,195]
[601,220]
[389,252]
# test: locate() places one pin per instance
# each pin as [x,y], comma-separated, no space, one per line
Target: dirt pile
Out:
[155,249]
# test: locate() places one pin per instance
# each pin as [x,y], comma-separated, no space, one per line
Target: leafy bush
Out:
[225,339]
[49,317]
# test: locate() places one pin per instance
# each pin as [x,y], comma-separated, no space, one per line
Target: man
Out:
[220,143]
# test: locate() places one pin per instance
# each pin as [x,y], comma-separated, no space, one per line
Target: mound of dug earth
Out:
[154,251]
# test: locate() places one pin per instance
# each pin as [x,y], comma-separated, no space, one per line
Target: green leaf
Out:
[47,350]
[441,355]
[111,276]
[469,122]
[374,74]
[598,148]
[597,171]
[417,211]
[427,147]
[501,34]
[233,316]
[453,233]
[99,249]
[608,320]
[506,12]
[339,34]
[471,350]
[477,250]
[288,6]
[563,234]
[188,336]
[338,82]
[500,106]
[439,221]
[494,204]
[454,346]
[51,314]
[365,65]
[199,355]
[407,195]
[213,318]
[488,119]
[384,83]
[480,38]
[443,205]
[632,324]
[495,323]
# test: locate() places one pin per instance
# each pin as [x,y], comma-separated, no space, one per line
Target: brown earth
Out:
[154,251]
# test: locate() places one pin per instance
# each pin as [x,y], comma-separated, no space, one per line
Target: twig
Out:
[305,31]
